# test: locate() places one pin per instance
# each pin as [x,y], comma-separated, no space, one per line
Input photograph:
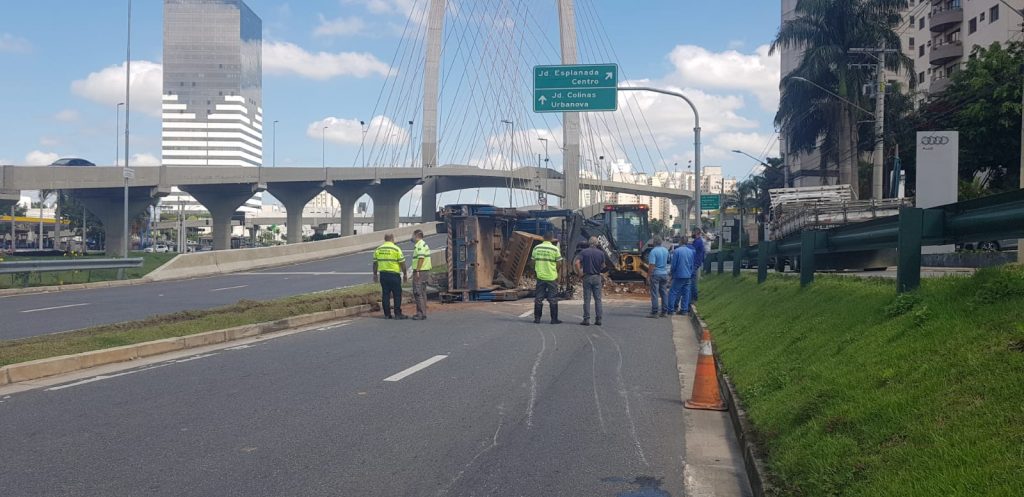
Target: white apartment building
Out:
[940,36]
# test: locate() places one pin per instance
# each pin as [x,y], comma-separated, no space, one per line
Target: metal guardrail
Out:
[991,218]
[41,266]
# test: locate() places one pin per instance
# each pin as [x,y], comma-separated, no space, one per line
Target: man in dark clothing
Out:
[698,261]
[591,262]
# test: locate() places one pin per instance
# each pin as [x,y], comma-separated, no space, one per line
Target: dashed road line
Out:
[421,366]
[53,308]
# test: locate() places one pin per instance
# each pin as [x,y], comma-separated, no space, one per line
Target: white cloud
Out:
[341,26]
[349,132]
[67,116]
[39,158]
[757,73]
[289,58]
[670,118]
[395,7]
[13,44]
[107,86]
[142,159]
[756,144]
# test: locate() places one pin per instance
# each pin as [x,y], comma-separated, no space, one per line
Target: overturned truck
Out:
[488,249]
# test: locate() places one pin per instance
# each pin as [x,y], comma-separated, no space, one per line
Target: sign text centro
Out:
[575,88]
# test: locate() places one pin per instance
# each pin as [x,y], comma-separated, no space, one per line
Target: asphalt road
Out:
[511,409]
[38,314]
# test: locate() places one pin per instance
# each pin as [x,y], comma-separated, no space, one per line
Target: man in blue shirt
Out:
[682,272]
[698,261]
[657,268]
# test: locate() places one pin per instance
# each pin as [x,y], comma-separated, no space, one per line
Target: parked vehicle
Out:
[72,161]
[794,210]
[991,245]
[158,248]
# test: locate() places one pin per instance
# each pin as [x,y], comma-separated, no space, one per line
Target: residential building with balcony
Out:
[940,36]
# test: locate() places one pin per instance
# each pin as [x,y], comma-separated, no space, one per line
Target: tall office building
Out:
[212,88]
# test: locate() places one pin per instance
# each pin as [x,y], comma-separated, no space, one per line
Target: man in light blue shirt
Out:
[657,268]
[682,274]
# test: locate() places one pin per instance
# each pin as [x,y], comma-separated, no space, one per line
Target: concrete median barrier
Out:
[42,368]
[230,261]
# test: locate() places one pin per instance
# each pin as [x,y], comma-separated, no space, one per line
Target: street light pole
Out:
[275,143]
[360,157]
[512,146]
[127,112]
[696,139]
[323,147]
[117,133]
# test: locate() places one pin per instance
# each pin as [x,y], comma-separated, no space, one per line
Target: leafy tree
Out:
[983,103]
[826,31]
[658,227]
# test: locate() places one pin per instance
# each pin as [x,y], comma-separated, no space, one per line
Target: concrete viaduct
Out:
[222,190]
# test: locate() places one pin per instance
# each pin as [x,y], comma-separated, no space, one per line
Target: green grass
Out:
[182,323]
[854,391]
[150,261]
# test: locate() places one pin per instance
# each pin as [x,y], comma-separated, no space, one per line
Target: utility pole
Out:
[721,216]
[878,157]
[127,110]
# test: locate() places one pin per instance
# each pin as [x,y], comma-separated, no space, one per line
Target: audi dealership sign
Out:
[933,139]
[937,164]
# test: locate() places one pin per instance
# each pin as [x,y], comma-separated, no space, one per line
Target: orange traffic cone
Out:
[705,383]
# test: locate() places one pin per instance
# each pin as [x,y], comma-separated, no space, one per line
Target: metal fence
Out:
[991,218]
[26,268]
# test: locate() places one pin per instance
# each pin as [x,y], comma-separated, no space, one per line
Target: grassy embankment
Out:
[854,391]
[150,261]
[182,323]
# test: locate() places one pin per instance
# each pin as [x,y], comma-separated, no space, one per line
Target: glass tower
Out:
[212,91]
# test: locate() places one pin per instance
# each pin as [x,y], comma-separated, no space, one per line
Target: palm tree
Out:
[826,30]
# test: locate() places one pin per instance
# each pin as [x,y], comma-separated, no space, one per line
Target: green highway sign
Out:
[710,202]
[575,88]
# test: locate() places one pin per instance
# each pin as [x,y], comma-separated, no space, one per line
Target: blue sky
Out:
[60,62]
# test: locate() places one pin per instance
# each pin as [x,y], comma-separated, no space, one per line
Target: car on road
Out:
[991,245]
[72,161]
[158,248]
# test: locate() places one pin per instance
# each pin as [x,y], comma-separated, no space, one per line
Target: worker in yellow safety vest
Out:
[389,271]
[546,257]
[420,272]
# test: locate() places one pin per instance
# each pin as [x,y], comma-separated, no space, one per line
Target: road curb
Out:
[41,368]
[753,459]
[32,290]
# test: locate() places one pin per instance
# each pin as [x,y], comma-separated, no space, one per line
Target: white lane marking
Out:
[423,365]
[52,308]
[527,313]
[105,377]
[311,273]
[533,379]
[201,356]
[228,288]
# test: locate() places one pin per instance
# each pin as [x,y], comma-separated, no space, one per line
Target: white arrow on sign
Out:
[542,99]
[608,75]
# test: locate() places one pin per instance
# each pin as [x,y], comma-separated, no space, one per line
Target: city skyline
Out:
[309,55]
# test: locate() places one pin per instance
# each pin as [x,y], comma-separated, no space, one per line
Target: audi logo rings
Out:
[934,140]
